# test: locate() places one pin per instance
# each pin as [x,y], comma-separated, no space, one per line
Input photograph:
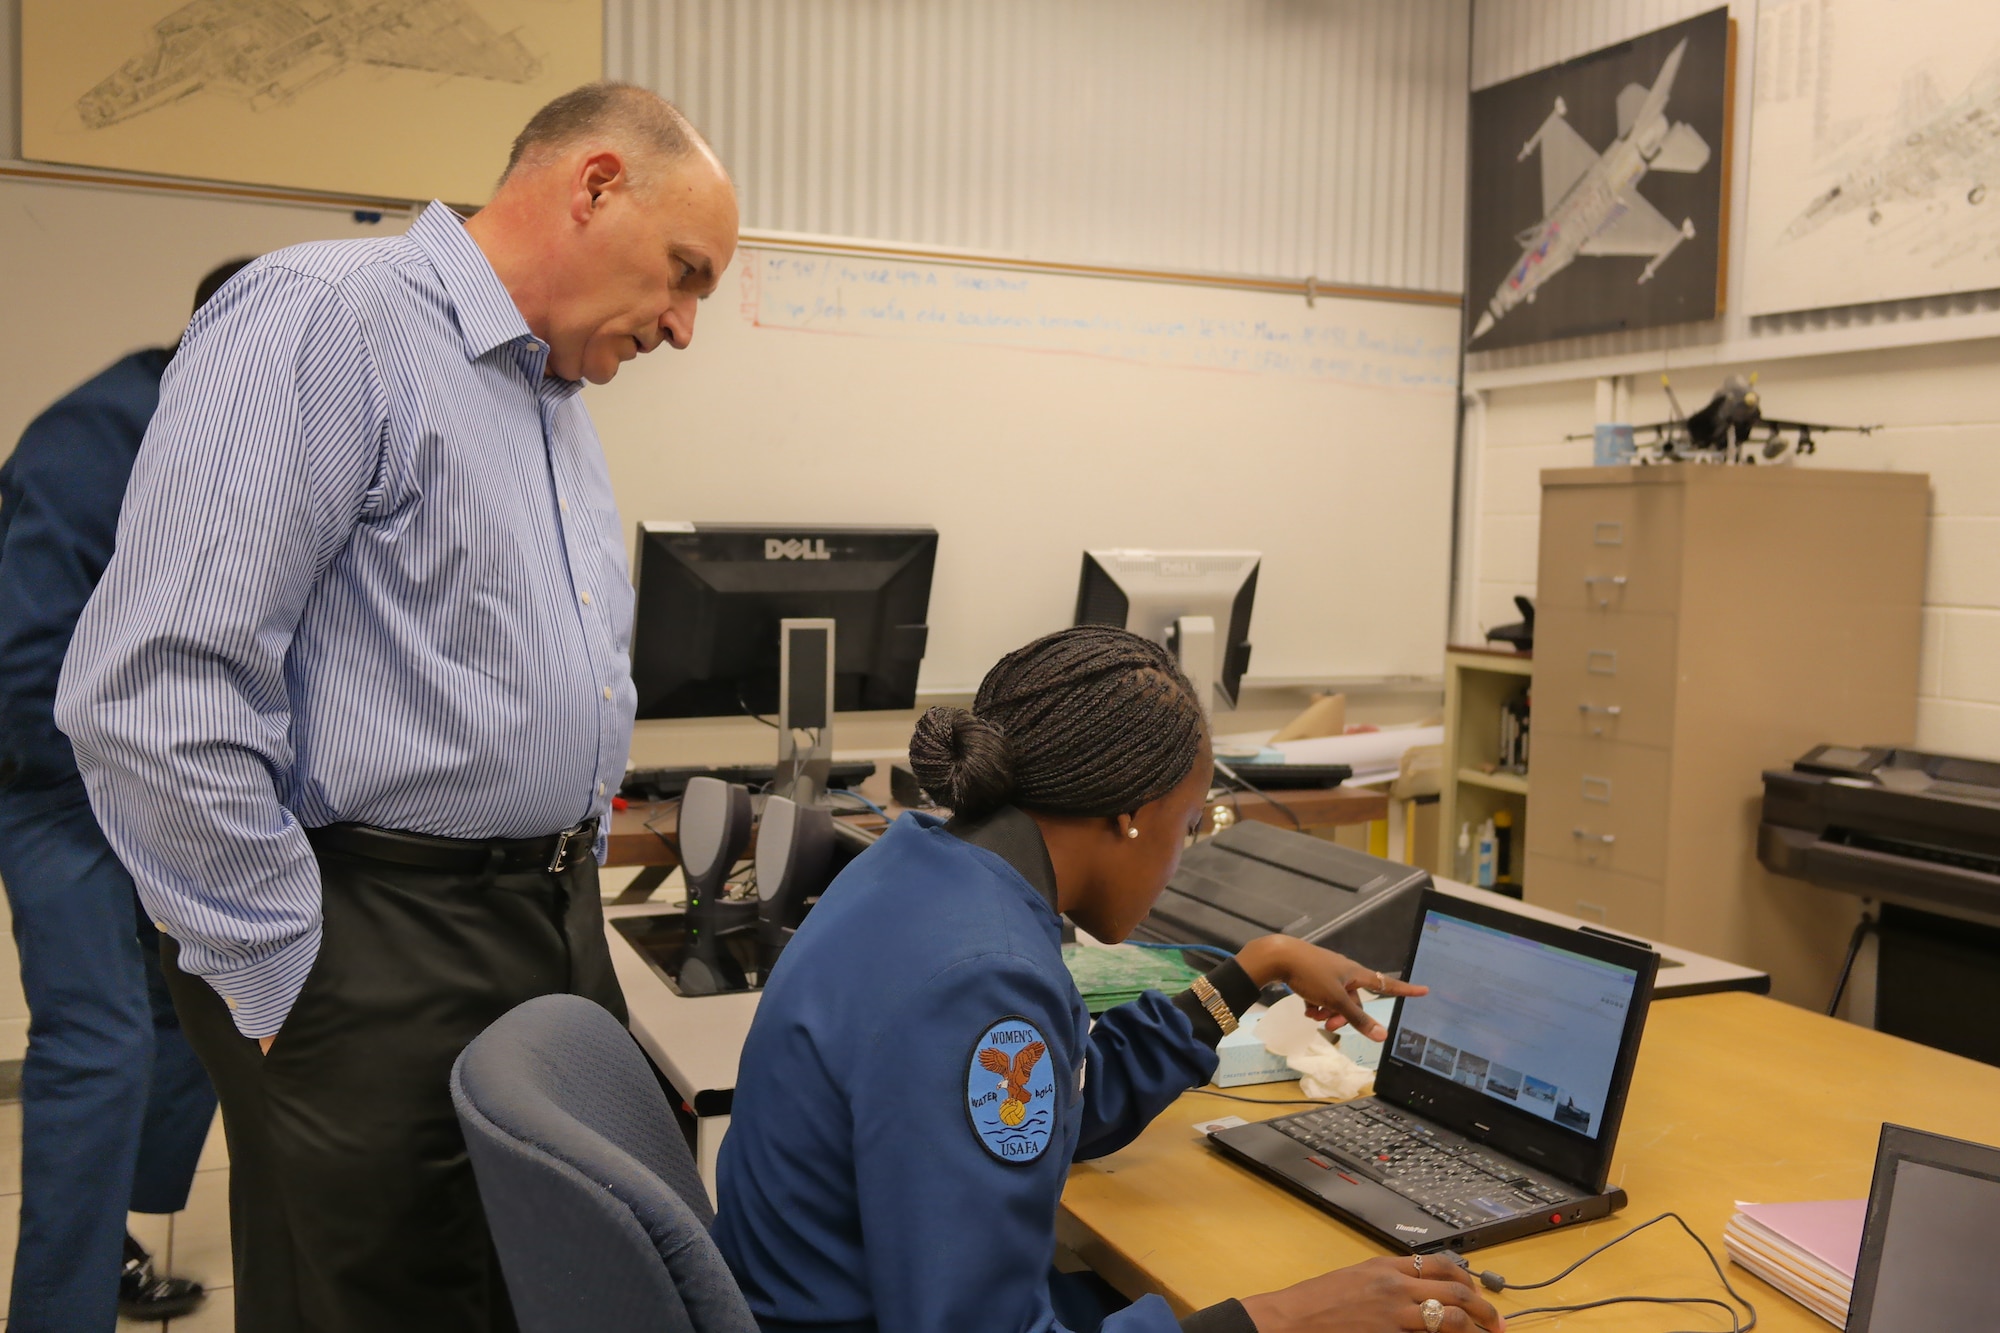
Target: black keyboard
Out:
[663,784]
[1292,777]
[1459,1183]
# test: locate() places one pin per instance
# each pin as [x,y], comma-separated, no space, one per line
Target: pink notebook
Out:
[1829,1231]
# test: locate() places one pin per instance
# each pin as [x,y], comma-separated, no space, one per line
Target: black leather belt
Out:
[552,853]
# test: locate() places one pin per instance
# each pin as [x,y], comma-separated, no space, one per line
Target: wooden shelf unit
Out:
[1478,682]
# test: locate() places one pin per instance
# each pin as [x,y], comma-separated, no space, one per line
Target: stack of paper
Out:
[1111,977]
[1806,1250]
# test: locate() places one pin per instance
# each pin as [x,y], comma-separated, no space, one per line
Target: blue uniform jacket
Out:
[60,492]
[874,1177]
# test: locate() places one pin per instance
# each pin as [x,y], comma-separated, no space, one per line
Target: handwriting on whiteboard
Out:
[1378,344]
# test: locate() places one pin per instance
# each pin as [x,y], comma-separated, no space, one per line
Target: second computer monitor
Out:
[1196,602]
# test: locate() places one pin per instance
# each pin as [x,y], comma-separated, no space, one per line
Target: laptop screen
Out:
[1523,1022]
[1923,1262]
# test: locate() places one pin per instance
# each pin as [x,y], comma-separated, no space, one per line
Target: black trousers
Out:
[352,1203]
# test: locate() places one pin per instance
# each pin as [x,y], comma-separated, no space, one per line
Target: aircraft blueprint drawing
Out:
[1874,155]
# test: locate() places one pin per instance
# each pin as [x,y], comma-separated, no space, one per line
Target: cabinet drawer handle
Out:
[1591,582]
[1597,789]
[1608,533]
[1609,710]
[1601,662]
[1583,835]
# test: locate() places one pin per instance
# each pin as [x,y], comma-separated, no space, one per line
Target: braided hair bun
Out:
[961,759]
[1091,721]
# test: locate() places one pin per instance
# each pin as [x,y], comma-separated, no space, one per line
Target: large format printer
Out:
[1918,833]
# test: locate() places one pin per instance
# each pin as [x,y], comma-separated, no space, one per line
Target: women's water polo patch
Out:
[1010,1091]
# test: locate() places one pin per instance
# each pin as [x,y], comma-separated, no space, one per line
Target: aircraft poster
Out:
[1598,189]
[1874,153]
[399,99]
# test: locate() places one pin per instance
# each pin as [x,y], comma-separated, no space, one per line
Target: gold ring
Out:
[1433,1311]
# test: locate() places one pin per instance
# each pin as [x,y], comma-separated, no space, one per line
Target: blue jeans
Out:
[114,1105]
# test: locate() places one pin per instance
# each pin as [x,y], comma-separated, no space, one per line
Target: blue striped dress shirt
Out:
[369,570]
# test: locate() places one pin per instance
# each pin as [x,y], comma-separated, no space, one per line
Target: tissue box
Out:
[1243,1059]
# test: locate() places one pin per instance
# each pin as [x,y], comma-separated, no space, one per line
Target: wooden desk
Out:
[1735,1097]
[634,843]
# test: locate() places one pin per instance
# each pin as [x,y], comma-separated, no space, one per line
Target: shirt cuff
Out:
[1233,984]
[261,995]
[1228,1317]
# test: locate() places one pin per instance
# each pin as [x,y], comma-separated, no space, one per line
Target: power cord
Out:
[1495,1282]
[1268,1101]
[1184,948]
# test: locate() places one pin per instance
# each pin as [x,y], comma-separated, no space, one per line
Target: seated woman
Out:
[922,1072]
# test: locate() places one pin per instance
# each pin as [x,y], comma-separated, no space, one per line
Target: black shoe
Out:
[143,1294]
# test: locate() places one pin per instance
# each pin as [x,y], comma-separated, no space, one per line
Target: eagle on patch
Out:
[1014,1077]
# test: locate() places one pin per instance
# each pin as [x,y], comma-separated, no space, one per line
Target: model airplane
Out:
[266,52]
[1958,148]
[1591,203]
[1725,430]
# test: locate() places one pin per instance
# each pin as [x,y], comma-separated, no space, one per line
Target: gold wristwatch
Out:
[1211,1000]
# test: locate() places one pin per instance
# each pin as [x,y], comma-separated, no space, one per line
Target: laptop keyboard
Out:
[1458,1183]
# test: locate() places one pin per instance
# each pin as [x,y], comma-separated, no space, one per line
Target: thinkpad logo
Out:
[798,548]
[1421,1231]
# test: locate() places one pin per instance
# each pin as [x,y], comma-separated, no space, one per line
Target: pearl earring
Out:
[1131,832]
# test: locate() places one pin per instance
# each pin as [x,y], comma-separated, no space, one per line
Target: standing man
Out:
[114,1105]
[353,695]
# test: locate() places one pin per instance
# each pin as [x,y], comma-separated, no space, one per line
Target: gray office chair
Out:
[599,1217]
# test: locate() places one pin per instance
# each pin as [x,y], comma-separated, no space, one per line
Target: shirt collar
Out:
[487,315]
[1013,835]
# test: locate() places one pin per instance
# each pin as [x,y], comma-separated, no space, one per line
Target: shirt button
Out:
[585,594]
[562,502]
[607,691]
[600,789]
[228,1001]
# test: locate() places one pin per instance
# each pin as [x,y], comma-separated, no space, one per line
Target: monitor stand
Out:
[1192,639]
[805,703]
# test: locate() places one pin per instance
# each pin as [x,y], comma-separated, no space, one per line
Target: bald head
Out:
[614,217]
[650,129]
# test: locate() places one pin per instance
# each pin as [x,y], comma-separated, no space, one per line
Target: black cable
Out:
[750,712]
[1494,1282]
[1255,790]
[1862,929]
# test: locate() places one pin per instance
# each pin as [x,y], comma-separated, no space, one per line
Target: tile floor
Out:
[191,1243]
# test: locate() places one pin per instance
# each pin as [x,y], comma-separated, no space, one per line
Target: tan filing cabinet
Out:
[1694,626]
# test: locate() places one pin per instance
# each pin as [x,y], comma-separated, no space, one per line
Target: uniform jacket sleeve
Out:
[1142,1056]
[955,1237]
[61,490]
[255,470]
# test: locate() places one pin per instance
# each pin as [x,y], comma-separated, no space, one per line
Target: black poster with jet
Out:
[1597,189]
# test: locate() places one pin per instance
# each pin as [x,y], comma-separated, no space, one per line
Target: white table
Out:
[695,1040]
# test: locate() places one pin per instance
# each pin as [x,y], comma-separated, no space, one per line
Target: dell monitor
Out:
[1195,602]
[711,596]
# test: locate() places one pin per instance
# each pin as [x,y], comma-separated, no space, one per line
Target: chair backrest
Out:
[598,1214]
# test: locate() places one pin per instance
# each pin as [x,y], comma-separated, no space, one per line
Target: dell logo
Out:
[798,548]
[1421,1231]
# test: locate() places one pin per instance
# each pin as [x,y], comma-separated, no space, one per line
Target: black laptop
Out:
[1927,1248]
[1497,1103]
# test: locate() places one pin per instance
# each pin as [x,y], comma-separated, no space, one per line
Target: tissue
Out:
[1323,1071]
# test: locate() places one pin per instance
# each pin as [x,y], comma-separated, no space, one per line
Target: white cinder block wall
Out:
[1926,369]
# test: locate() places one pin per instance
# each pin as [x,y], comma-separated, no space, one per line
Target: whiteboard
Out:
[1026,416]
[1029,416]
[88,274]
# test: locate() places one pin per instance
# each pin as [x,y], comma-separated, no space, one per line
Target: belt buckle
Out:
[559,859]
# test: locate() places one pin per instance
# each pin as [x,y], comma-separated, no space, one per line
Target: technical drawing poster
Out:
[407,99]
[1597,189]
[1874,152]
